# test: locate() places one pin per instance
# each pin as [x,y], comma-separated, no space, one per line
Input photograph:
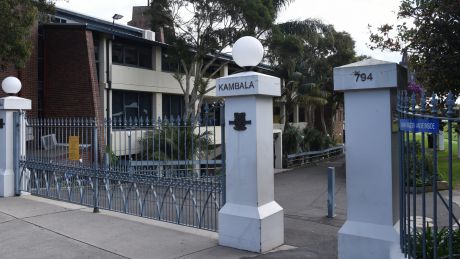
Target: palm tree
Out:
[314,97]
[304,54]
[294,48]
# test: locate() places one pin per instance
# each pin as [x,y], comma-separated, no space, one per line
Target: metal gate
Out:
[429,224]
[167,169]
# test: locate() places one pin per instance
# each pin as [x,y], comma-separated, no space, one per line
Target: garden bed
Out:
[441,185]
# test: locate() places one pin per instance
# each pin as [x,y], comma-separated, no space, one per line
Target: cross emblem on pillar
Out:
[239,121]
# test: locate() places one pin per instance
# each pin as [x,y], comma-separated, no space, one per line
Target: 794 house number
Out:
[362,76]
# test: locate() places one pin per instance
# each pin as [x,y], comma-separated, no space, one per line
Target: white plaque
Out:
[248,83]
[366,74]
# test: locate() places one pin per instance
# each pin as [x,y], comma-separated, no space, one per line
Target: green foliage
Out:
[303,54]
[16,19]
[175,143]
[292,138]
[428,32]
[442,238]
[161,16]
[314,140]
[111,155]
[308,139]
[425,163]
[198,32]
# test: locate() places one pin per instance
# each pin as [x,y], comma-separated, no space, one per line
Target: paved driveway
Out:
[303,195]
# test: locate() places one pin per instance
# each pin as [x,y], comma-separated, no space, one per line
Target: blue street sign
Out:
[419,125]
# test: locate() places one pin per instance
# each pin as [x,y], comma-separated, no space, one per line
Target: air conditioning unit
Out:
[148,35]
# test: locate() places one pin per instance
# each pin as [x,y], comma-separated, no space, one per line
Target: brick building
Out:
[82,66]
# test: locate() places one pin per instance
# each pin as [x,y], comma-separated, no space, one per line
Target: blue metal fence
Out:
[304,158]
[165,169]
[429,219]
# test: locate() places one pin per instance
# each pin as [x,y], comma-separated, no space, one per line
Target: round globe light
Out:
[11,85]
[247,51]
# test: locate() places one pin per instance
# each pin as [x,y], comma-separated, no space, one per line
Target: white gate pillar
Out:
[250,219]
[372,178]
[9,105]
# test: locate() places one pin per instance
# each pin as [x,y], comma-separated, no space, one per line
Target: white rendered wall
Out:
[250,219]
[369,149]
[243,148]
[146,80]
[371,176]
[6,155]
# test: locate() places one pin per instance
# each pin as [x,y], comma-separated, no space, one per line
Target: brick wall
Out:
[70,86]
[5,71]
[28,75]
[140,17]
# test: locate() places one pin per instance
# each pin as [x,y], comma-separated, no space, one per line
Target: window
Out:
[128,104]
[169,63]
[132,55]
[173,105]
[58,20]
[212,117]
[215,66]
[145,57]
[117,53]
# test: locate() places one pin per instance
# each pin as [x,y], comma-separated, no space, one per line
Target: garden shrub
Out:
[309,139]
[426,164]
[292,138]
[442,238]
[315,140]
[175,143]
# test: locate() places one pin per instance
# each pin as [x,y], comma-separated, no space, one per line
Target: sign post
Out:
[372,175]
[251,219]
[419,125]
[74,150]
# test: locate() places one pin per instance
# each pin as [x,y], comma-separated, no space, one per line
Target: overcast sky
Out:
[352,16]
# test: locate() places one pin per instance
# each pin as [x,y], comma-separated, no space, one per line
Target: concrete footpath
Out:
[33,227]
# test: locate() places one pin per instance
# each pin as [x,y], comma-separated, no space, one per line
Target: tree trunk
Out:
[323,120]
[311,116]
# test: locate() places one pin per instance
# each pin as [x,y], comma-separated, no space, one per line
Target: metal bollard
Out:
[331,192]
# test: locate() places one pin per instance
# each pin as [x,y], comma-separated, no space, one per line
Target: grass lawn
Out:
[443,158]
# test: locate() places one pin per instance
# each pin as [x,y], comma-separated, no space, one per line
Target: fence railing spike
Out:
[450,102]
[423,102]
[405,101]
[412,102]
[434,104]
